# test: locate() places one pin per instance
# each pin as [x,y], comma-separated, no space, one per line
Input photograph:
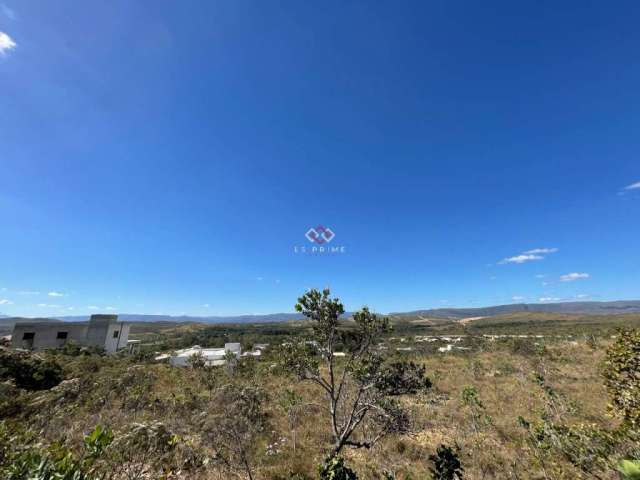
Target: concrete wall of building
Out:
[102,331]
[46,335]
[117,337]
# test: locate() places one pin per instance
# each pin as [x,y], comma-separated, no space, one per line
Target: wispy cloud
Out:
[48,305]
[6,43]
[93,307]
[517,298]
[570,277]
[206,305]
[521,258]
[110,308]
[538,251]
[549,299]
[633,186]
[4,301]
[529,255]
[582,295]
[55,294]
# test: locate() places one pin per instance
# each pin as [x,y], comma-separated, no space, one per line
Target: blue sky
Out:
[168,157]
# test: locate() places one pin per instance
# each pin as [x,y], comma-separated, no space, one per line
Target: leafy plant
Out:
[29,371]
[622,376]
[629,469]
[334,469]
[446,464]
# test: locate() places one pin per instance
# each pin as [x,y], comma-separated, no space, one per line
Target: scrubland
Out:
[512,408]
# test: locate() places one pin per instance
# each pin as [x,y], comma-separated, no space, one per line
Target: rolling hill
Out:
[583,308]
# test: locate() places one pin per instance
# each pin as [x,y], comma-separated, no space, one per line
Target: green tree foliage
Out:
[358,390]
[622,377]
[446,464]
[335,469]
[29,371]
[629,469]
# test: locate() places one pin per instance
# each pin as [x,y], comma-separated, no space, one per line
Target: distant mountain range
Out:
[582,308]
[134,317]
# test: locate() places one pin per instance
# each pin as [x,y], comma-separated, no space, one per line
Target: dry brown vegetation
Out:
[502,378]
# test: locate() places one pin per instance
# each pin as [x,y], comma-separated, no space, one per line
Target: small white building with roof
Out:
[211,356]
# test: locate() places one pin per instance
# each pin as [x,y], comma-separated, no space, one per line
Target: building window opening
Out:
[62,335]
[28,335]
[115,333]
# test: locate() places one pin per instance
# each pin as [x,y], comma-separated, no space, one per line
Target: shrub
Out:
[629,469]
[29,371]
[334,469]
[21,460]
[622,376]
[446,464]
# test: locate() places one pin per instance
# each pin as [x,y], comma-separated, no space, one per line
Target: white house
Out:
[211,356]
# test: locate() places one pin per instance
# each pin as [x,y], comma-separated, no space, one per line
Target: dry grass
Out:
[493,447]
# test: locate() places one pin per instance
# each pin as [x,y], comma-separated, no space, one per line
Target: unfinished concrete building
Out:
[100,331]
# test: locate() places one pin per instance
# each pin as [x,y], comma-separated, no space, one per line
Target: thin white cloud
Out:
[540,275]
[48,305]
[538,251]
[570,277]
[206,305]
[110,308]
[517,298]
[93,307]
[55,294]
[633,186]
[521,258]
[4,301]
[529,255]
[549,299]
[259,279]
[582,295]
[6,43]
[27,292]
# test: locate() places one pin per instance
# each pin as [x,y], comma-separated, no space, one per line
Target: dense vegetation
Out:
[389,406]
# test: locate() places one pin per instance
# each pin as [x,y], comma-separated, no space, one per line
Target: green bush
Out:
[29,371]
[622,376]
[334,469]
[446,464]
